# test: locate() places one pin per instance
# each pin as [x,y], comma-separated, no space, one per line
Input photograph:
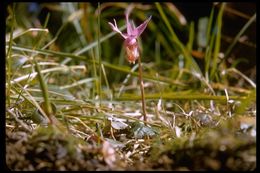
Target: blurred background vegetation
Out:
[74,25]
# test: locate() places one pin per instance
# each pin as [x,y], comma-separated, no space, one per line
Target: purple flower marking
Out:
[130,43]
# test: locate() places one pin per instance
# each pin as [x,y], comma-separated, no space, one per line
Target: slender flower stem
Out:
[99,57]
[131,47]
[142,88]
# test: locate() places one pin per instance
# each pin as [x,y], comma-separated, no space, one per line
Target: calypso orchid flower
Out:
[130,43]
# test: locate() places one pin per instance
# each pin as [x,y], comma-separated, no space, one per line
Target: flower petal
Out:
[139,30]
[130,28]
[115,28]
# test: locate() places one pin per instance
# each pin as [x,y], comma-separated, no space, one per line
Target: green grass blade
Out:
[217,41]
[9,59]
[191,37]
[43,85]
[208,56]
[209,27]
[96,88]
[178,96]
[190,61]
[245,27]
[210,41]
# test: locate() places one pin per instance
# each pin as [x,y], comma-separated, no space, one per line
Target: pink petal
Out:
[130,28]
[139,30]
[115,28]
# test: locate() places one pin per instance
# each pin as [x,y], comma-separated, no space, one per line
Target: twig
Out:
[19,121]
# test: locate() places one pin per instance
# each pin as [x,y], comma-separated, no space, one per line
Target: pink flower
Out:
[130,43]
